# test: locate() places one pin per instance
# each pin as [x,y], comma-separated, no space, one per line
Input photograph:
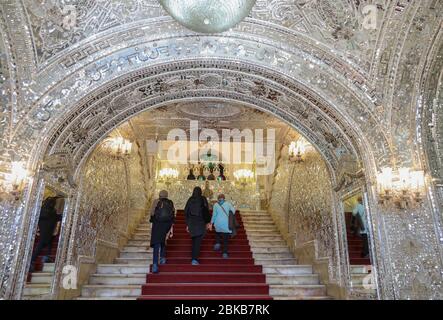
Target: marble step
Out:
[42,277]
[141,237]
[257,228]
[143,228]
[358,269]
[137,244]
[287,269]
[142,232]
[143,249]
[357,279]
[274,249]
[94,290]
[134,261]
[266,243]
[143,242]
[297,290]
[122,268]
[261,228]
[305,279]
[273,255]
[36,289]
[140,255]
[267,262]
[254,212]
[264,232]
[257,237]
[48,267]
[259,225]
[118,279]
[257,219]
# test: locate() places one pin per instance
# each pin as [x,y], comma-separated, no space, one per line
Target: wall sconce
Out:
[297,150]
[14,181]
[402,187]
[166,175]
[243,177]
[119,146]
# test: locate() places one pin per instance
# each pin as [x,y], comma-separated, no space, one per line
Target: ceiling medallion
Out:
[208,16]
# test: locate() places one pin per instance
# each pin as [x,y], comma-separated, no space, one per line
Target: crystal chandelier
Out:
[13,182]
[167,175]
[243,176]
[208,16]
[297,150]
[403,187]
[119,146]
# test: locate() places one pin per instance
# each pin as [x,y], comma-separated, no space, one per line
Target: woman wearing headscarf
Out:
[162,219]
[197,220]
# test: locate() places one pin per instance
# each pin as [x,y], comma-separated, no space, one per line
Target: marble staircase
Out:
[287,279]
[123,280]
[40,282]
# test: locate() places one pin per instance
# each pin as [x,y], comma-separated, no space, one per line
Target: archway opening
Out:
[259,162]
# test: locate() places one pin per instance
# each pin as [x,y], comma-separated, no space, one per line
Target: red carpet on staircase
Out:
[215,278]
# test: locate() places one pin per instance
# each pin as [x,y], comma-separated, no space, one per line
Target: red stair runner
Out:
[236,278]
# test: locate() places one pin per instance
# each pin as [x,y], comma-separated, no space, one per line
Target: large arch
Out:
[360,95]
[90,119]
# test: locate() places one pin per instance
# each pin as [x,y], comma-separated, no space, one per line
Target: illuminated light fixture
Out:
[244,176]
[119,146]
[208,16]
[14,181]
[166,175]
[404,187]
[297,150]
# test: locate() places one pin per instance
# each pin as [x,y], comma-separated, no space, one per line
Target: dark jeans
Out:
[219,236]
[159,248]
[196,244]
[365,250]
[43,243]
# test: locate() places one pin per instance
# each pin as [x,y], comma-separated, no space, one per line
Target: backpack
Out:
[198,208]
[164,211]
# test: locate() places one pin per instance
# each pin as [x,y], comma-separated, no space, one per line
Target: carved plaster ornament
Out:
[350,171]
[60,164]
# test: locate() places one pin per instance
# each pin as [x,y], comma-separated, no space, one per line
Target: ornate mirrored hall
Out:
[320,121]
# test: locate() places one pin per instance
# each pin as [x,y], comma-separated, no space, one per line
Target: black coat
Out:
[160,228]
[197,215]
[47,223]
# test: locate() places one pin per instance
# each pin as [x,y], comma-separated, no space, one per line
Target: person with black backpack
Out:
[162,219]
[197,220]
